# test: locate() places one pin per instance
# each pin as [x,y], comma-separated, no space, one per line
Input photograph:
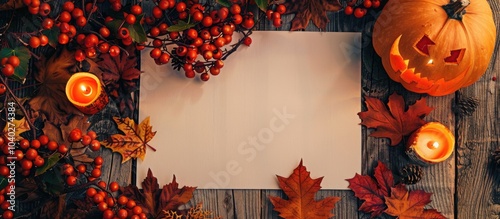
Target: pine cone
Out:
[465,106]
[411,174]
[496,158]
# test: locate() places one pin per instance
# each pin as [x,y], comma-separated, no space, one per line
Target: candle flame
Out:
[433,144]
[86,90]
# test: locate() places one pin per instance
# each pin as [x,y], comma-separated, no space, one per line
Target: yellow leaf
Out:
[17,127]
[134,140]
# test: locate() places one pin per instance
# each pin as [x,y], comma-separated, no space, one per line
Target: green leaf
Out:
[3,182]
[53,182]
[52,34]
[49,163]
[137,31]
[114,25]
[262,4]
[24,56]
[225,3]
[182,25]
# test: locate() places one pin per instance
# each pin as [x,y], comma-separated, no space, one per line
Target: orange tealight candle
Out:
[85,91]
[431,143]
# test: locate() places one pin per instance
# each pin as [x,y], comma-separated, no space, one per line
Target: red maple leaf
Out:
[395,122]
[301,189]
[315,10]
[373,191]
[406,204]
[156,202]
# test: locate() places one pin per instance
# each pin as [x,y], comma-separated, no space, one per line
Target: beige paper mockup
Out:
[288,96]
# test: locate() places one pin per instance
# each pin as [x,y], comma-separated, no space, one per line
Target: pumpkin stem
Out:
[456,8]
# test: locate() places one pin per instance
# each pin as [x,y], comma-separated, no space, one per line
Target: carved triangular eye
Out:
[423,45]
[455,56]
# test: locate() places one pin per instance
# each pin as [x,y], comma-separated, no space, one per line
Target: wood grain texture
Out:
[478,182]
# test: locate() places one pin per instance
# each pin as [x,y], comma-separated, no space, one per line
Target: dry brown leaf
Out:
[51,97]
[60,135]
[11,4]
[314,10]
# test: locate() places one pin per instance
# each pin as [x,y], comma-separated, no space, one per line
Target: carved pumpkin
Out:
[435,46]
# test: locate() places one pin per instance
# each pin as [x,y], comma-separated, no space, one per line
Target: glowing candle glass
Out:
[431,143]
[85,91]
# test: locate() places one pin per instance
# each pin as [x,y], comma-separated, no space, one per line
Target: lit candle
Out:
[431,143]
[85,91]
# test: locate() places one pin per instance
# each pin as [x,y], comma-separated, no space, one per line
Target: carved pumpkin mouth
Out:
[411,75]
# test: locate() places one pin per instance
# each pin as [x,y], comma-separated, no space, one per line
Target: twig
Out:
[11,93]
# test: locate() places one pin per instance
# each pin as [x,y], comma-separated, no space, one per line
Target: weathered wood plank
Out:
[478,182]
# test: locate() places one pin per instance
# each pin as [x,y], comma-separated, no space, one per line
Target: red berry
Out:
[114,51]
[375,3]
[204,76]
[95,145]
[75,135]
[136,10]
[130,19]
[68,6]
[367,3]
[348,10]
[8,70]
[235,9]
[247,41]
[114,186]
[281,9]
[155,53]
[359,12]
[3,89]
[34,42]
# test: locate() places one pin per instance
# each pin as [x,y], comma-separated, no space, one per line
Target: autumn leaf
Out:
[156,202]
[194,213]
[406,204]
[11,4]
[172,197]
[60,133]
[120,75]
[19,126]
[301,189]
[395,122]
[373,191]
[314,10]
[51,98]
[134,140]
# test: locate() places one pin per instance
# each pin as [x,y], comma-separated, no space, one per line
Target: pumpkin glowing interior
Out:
[428,51]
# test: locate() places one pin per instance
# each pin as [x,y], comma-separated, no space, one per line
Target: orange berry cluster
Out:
[199,48]
[360,10]
[72,25]
[111,207]
[8,65]
[25,156]
[88,140]
[275,15]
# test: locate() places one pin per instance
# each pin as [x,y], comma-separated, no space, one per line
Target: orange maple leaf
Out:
[406,204]
[133,143]
[395,122]
[300,189]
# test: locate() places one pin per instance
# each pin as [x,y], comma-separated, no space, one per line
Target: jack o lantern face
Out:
[428,65]
[425,42]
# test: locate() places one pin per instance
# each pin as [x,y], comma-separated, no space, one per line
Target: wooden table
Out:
[465,186]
